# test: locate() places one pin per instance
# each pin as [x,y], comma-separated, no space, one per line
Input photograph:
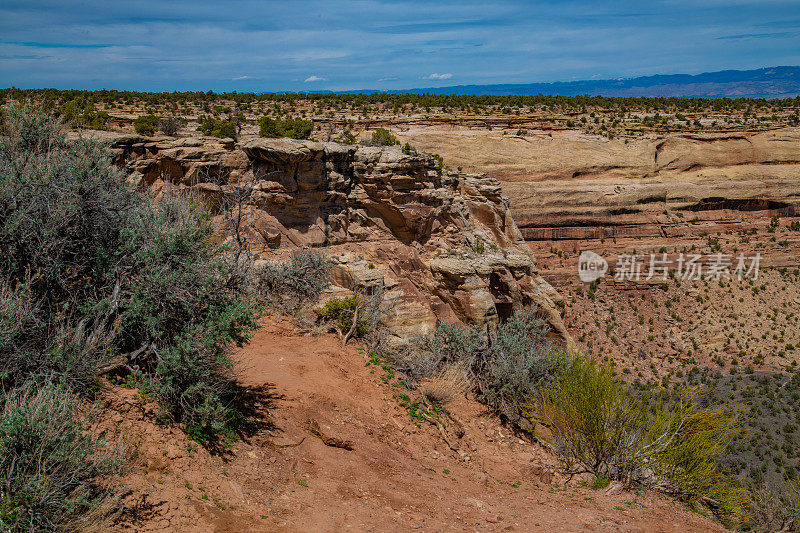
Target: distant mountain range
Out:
[773,82]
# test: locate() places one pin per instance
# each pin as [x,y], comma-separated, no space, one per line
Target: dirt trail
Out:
[398,476]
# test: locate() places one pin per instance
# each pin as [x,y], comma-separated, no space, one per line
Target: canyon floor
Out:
[312,399]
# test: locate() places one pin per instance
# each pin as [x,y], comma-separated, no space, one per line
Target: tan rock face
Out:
[576,186]
[444,244]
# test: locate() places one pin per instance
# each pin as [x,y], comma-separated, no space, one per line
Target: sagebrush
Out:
[290,284]
[51,469]
[111,281]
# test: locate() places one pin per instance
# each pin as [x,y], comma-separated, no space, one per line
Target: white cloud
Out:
[391,78]
[436,76]
[239,78]
[312,79]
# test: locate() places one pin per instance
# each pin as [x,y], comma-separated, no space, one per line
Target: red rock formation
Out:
[444,244]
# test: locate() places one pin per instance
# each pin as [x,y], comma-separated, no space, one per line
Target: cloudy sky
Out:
[303,45]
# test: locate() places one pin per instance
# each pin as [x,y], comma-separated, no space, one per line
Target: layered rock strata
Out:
[443,244]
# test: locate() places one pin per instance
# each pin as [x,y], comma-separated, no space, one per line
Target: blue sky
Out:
[313,45]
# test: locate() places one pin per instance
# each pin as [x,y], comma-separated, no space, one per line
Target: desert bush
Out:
[170,125]
[145,124]
[602,429]
[186,306]
[518,362]
[288,285]
[71,114]
[592,420]
[51,469]
[356,315]
[217,128]
[350,313]
[346,137]
[448,384]
[507,365]
[111,282]
[180,279]
[198,387]
[340,312]
[775,505]
[53,273]
[688,462]
[294,128]
[447,344]
[383,137]
[28,130]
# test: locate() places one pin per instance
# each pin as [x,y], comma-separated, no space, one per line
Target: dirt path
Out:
[295,473]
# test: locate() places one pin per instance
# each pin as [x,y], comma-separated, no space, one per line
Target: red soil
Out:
[398,476]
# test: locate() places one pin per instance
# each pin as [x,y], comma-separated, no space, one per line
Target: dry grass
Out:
[451,382]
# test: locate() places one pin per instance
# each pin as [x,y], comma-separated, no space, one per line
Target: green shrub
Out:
[592,419]
[187,301]
[601,428]
[217,128]
[346,137]
[170,125]
[197,386]
[55,273]
[145,124]
[112,281]
[289,285]
[28,130]
[88,117]
[51,470]
[448,343]
[340,311]
[508,365]
[519,361]
[294,128]
[383,137]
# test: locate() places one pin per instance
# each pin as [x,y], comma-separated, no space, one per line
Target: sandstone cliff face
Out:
[444,244]
[576,186]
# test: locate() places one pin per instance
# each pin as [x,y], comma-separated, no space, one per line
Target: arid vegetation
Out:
[110,285]
[598,424]
[335,114]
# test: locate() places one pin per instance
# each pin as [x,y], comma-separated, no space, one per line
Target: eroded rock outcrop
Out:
[444,244]
[575,186]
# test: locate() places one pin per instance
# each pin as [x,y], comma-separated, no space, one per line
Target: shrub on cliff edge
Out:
[111,282]
[601,428]
[294,128]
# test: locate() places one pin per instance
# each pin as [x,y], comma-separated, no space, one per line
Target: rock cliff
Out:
[444,244]
[576,186]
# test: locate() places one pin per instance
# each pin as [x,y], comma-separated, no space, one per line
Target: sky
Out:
[297,45]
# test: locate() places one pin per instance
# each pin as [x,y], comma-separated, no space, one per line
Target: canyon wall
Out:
[444,244]
[571,185]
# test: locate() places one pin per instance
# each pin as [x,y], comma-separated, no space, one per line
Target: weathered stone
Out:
[444,245]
